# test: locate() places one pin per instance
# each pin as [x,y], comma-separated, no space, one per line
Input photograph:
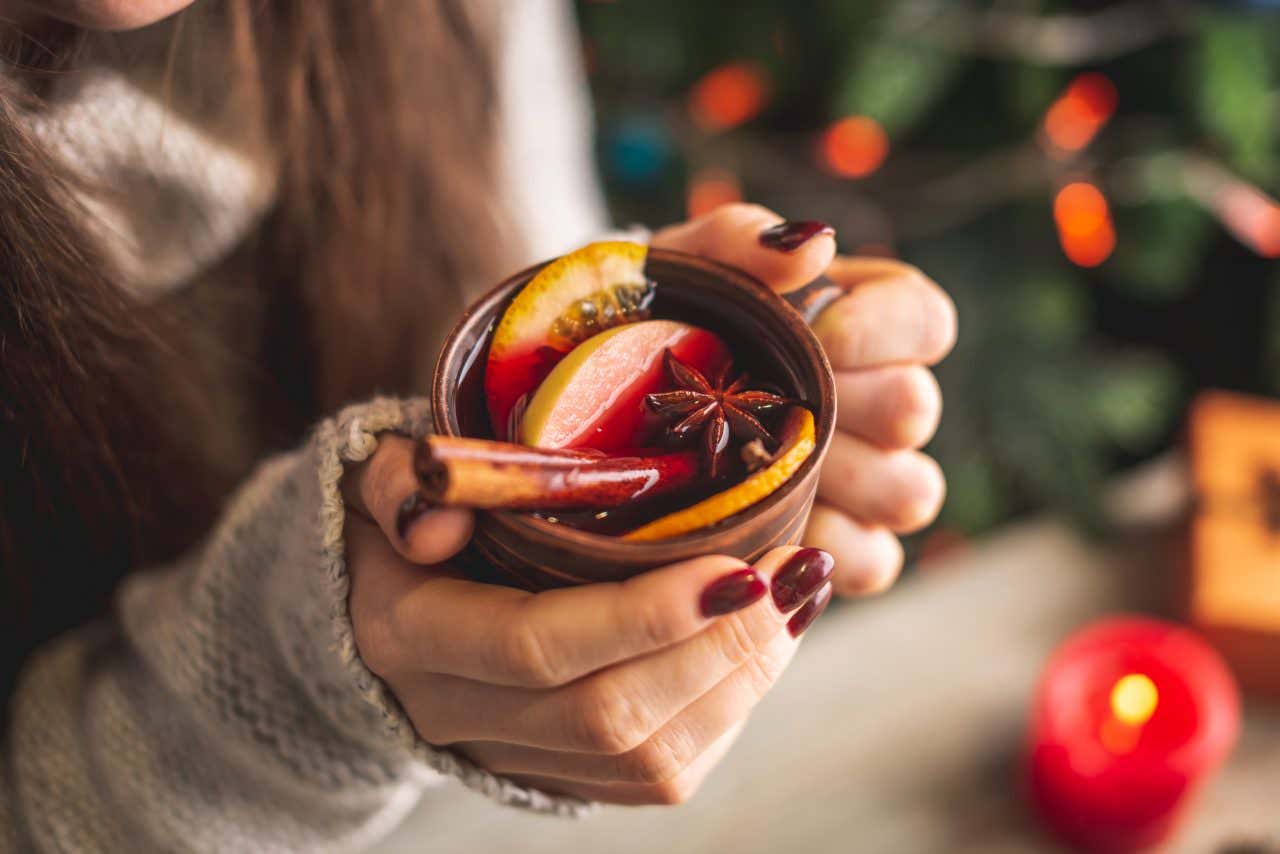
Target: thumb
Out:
[383,488]
[731,234]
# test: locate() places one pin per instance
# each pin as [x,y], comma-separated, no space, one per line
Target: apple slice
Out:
[594,398]
[597,287]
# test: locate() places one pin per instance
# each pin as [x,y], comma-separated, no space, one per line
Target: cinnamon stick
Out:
[502,476]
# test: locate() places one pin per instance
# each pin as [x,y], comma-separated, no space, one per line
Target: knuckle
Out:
[910,271]
[840,472]
[656,761]
[376,487]
[734,212]
[735,639]
[433,731]
[527,658]
[849,331]
[671,793]
[761,672]
[377,641]
[610,722]
[652,626]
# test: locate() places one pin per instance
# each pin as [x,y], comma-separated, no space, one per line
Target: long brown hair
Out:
[121,425]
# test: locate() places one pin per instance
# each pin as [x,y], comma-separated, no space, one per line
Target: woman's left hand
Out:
[881,338]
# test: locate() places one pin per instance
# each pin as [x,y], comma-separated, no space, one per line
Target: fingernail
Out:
[732,592]
[803,618]
[411,510]
[789,236]
[799,577]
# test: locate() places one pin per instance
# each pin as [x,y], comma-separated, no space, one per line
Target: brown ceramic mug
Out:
[534,553]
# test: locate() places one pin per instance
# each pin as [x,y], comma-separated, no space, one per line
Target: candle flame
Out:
[1134,699]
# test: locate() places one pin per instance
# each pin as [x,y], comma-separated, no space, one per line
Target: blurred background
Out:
[1093,182]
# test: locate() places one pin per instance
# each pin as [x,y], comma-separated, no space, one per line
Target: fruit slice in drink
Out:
[595,288]
[796,444]
[594,398]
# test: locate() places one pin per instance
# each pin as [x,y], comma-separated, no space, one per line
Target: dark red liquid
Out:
[474,420]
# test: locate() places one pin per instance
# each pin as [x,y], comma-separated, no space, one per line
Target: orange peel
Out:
[797,441]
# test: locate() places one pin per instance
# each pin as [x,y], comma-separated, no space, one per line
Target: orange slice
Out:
[592,289]
[797,443]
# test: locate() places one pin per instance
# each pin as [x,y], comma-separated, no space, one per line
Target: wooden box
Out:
[1234,545]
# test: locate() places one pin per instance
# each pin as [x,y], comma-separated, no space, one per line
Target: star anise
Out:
[719,410]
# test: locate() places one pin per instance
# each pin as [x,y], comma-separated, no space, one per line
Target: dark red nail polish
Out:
[812,609]
[732,592]
[411,510]
[799,577]
[789,236]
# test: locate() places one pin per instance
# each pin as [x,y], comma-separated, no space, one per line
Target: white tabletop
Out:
[897,728]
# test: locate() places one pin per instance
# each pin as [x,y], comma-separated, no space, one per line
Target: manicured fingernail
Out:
[789,236]
[732,592]
[812,609]
[411,510]
[799,577]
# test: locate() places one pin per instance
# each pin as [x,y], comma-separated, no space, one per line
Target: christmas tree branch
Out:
[1064,39]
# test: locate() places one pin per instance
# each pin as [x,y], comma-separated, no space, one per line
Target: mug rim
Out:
[530,526]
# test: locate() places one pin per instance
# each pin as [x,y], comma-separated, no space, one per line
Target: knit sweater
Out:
[224,706]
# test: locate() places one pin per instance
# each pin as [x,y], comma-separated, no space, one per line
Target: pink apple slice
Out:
[594,398]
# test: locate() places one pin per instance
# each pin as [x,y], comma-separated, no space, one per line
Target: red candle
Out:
[1131,715]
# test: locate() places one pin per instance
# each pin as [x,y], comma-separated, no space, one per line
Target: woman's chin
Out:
[101,14]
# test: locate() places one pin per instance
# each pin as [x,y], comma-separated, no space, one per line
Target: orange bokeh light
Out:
[854,146]
[711,188]
[1080,112]
[1084,224]
[729,95]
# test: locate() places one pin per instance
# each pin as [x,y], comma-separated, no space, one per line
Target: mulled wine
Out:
[604,400]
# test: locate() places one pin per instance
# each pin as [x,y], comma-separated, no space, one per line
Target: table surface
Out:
[897,728]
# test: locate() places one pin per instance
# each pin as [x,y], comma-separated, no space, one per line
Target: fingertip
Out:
[784,254]
[919,403]
[894,407]
[435,534]
[943,325]
[886,320]
[869,558]
[927,494]
[791,272]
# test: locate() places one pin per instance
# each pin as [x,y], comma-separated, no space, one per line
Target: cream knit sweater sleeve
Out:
[224,707]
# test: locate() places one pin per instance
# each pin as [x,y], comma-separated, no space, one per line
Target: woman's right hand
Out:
[627,693]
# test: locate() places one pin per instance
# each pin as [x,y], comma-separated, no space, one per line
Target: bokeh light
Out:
[728,95]
[637,150]
[854,146]
[710,188]
[1080,112]
[1084,224]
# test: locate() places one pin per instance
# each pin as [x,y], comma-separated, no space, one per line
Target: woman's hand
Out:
[627,693]
[880,337]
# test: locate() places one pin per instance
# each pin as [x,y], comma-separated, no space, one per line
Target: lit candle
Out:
[1131,716]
